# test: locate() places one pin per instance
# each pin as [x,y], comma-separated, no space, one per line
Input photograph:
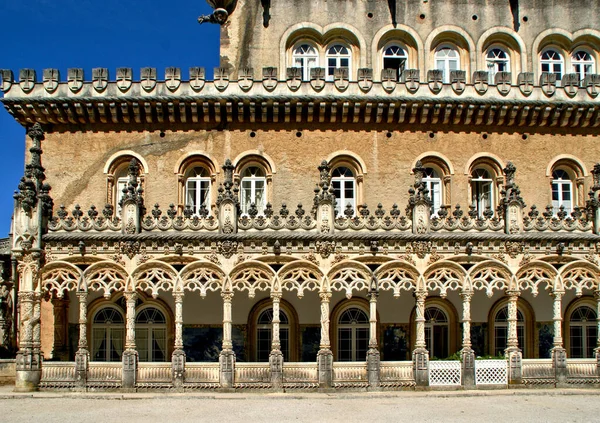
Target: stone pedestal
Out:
[421,367]
[515,365]
[325,368]
[468,368]
[29,370]
[178,369]
[276,364]
[373,368]
[559,362]
[597,353]
[82,359]
[226,369]
[130,361]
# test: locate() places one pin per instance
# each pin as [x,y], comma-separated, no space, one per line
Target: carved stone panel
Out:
[197,78]
[75,79]
[365,79]
[51,79]
[148,79]
[100,79]
[270,78]
[172,78]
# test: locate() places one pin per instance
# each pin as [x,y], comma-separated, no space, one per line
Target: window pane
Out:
[576,333]
[345,344]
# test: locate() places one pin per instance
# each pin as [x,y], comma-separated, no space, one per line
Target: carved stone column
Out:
[29,358]
[6,313]
[82,357]
[325,356]
[597,350]
[513,352]
[559,354]
[227,356]
[178,359]
[130,355]
[276,356]
[420,353]
[467,353]
[60,308]
[373,357]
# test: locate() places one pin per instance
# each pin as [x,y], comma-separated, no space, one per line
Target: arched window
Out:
[264,335]
[395,57]
[583,332]
[562,191]
[344,189]
[582,63]
[437,332]
[305,57]
[108,332]
[253,189]
[447,59]
[497,60]
[501,331]
[151,335]
[352,335]
[552,62]
[434,184]
[197,189]
[482,192]
[338,56]
[120,177]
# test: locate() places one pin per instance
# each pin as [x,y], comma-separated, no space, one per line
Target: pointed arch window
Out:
[482,191]
[437,332]
[497,60]
[501,331]
[583,64]
[305,57]
[151,335]
[108,332]
[552,62]
[562,191]
[338,56]
[447,60]
[344,189]
[433,183]
[264,335]
[197,189]
[395,57]
[583,332]
[353,335]
[253,189]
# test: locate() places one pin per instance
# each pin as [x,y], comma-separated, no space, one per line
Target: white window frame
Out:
[198,182]
[151,330]
[354,327]
[302,59]
[253,181]
[447,59]
[434,184]
[341,201]
[109,329]
[496,63]
[555,62]
[400,54]
[429,330]
[562,186]
[283,328]
[585,327]
[338,57]
[582,66]
[477,193]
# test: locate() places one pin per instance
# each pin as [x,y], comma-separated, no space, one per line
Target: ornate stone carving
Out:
[124,79]
[592,84]
[389,79]
[100,79]
[293,78]
[148,78]
[75,79]
[7,79]
[365,79]
[412,80]
[570,83]
[269,78]
[435,78]
[503,82]
[227,248]
[513,248]
[325,248]
[129,248]
[27,80]
[340,78]
[458,80]
[548,83]
[245,78]
[481,81]
[51,79]
[525,82]
[317,78]
[172,78]
[197,78]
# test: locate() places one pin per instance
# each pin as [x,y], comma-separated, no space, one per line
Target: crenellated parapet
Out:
[245,97]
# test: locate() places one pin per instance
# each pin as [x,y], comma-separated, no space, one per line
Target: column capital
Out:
[227,295]
[513,293]
[276,295]
[325,296]
[178,296]
[420,295]
[597,295]
[130,295]
[81,295]
[466,295]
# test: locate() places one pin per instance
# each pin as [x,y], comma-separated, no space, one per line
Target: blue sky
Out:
[85,34]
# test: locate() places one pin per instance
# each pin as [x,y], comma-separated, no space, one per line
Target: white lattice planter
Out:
[491,372]
[445,373]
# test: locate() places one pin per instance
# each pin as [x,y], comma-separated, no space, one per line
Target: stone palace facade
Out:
[369,194]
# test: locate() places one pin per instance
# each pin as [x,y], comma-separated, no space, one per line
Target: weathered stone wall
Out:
[247,42]
[388,160]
